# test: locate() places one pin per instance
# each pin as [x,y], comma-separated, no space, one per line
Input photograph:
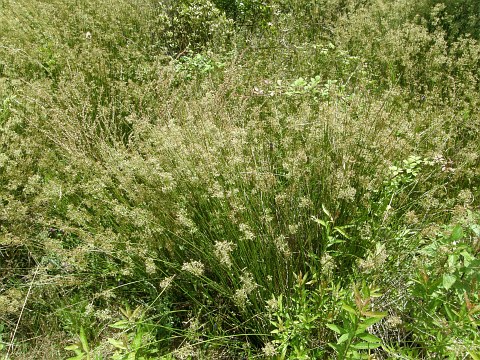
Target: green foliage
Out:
[196,67]
[302,322]
[446,286]
[407,172]
[134,342]
[298,319]
[253,13]
[355,339]
[81,349]
[186,157]
[312,87]
[192,25]
[457,18]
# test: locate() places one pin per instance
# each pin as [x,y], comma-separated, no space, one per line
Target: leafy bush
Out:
[161,155]
[447,322]
[456,18]
[255,13]
[191,25]
[197,66]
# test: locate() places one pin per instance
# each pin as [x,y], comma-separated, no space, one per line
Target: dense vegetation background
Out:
[217,179]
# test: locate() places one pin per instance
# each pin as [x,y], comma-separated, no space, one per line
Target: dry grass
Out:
[131,160]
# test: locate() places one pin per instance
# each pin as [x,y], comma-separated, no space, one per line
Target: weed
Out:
[187,157]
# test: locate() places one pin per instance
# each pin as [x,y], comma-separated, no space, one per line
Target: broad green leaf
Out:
[327,212]
[369,338]
[343,338]
[349,309]
[365,345]
[475,228]
[457,233]
[335,328]
[83,340]
[319,221]
[117,343]
[467,258]
[335,347]
[453,260]
[341,231]
[375,314]
[371,321]
[71,347]
[122,324]
[137,341]
[448,281]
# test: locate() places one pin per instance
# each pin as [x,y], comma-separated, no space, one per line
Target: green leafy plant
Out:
[135,341]
[196,66]
[298,319]
[192,25]
[315,87]
[146,145]
[252,13]
[401,180]
[447,287]
[353,325]
[81,349]
[333,234]
[405,173]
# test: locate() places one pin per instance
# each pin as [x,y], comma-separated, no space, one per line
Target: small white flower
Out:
[150,266]
[194,267]
[165,283]
[222,251]
[269,349]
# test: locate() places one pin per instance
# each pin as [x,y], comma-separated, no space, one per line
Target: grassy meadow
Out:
[217,179]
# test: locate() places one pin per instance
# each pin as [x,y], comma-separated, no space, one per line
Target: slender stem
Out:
[12,338]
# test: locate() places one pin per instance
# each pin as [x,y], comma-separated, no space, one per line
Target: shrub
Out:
[156,155]
[191,25]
